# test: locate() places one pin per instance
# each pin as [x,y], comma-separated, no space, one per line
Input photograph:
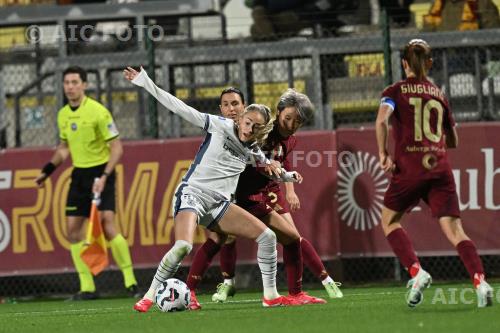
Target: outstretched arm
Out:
[287,177]
[169,101]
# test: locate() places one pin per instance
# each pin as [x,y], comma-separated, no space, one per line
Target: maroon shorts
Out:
[439,193]
[263,203]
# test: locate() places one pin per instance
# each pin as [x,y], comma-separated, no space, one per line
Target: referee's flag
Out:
[94,252]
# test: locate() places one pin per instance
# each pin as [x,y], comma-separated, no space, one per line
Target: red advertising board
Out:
[340,200]
[32,224]
[476,166]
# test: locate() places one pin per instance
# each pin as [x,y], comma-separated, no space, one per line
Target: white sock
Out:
[327,280]
[267,258]
[229,282]
[168,265]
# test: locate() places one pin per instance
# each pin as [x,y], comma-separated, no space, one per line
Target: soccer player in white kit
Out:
[203,197]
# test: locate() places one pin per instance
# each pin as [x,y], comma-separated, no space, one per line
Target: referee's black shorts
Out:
[80,191]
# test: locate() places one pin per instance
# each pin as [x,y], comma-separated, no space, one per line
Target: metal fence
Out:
[343,77]
[350,271]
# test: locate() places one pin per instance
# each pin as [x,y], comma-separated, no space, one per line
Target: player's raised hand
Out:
[129,73]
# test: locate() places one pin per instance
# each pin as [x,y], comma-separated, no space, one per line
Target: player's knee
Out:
[230,239]
[268,237]
[182,248]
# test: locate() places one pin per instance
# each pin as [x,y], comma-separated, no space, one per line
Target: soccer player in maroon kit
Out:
[263,198]
[423,127]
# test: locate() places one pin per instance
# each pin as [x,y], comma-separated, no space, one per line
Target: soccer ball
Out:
[172,295]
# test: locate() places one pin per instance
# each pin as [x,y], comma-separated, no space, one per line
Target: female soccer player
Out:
[423,127]
[204,193]
[263,198]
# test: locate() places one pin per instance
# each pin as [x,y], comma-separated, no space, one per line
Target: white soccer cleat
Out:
[224,290]
[484,294]
[333,290]
[415,295]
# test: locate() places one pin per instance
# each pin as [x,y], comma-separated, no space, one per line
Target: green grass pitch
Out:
[363,309]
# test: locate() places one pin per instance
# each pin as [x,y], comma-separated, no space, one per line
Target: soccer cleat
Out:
[484,294]
[279,301]
[193,303]
[333,290]
[143,305]
[133,291]
[304,298]
[84,296]
[223,291]
[421,281]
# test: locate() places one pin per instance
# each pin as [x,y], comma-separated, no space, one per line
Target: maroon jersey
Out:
[420,119]
[252,182]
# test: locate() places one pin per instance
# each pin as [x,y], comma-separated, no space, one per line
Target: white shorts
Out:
[209,206]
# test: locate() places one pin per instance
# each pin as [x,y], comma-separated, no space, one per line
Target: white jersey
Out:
[222,157]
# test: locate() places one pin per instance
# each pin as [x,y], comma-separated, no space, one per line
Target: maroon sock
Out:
[228,260]
[402,247]
[201,261]
[468,253]
[292,257]
[312,260]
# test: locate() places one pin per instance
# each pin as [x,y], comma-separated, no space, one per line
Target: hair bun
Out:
[418,41]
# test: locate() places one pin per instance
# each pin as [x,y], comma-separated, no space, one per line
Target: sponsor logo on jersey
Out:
[73,126]
[228,143]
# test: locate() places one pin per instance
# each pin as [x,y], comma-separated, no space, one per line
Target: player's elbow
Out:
[381,123]
[119,151]
[63,152]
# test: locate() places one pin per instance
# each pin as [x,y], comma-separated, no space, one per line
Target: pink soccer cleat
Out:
[279,301]
[304,298]
[193,303]
[143,305]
